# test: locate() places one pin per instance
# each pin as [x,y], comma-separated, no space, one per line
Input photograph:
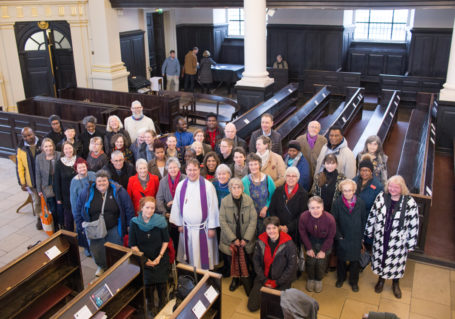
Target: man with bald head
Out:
[137,121]
[27,150]
[311,144]
[230,131]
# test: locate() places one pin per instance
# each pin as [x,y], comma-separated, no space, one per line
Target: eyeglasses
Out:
[293,176]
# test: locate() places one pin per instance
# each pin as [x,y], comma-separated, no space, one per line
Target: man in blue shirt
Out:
[171,69]
[183,137]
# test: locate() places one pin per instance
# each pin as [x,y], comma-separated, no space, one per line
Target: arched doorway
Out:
[46,56]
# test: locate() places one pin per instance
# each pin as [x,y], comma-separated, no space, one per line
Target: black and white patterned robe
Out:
[401,240]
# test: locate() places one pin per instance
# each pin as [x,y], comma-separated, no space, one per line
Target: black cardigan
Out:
[295,207]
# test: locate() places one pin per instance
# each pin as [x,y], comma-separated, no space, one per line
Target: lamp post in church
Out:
[255,85]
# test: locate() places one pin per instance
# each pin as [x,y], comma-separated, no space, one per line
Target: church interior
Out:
[384,68]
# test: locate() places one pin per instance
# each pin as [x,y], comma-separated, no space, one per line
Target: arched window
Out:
[36,42]
[60,41]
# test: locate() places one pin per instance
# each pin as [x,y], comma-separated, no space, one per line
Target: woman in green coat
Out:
[238,220]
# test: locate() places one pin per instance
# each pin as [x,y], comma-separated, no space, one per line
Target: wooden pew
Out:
[410,85]
[43,279]
[74,109]
[336,81]
[250,121]
[296,123]
[417,159]
[270,303]
[381,121]
[120,288]
[164,108]
[280,76]
[11,124]
[207,281]
[351,109]
[190,109]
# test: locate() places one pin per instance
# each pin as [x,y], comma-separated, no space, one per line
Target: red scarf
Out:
[212,136]
[349,205]
[269,256]
[294,191]
[173,186]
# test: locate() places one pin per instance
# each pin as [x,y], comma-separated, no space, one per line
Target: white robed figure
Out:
[195,212]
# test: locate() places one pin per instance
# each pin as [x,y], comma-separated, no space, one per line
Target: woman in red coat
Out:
[142,184]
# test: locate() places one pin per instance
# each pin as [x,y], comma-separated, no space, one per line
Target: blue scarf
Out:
[156,220]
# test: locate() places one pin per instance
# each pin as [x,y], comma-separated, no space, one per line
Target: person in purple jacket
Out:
[317,230]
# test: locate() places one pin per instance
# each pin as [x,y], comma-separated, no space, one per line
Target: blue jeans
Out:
[97,246]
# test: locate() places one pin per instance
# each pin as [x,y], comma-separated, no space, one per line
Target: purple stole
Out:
[202,235]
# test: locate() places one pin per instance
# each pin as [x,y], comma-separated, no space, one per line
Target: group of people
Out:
[192,71]
[249,211]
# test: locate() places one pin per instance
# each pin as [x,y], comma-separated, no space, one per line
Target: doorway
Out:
[46,57]
[155,36]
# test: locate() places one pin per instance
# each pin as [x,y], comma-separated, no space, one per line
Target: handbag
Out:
[301,259]
[185,283]
[46,218]
[365,258]
[97,228]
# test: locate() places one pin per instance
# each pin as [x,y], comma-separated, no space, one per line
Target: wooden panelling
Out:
[232,51]
[445,127]
[372,59]
[204,36]
[334,4]
[410,85]
[308,47]
[336,81]
[429,52]
[133,52]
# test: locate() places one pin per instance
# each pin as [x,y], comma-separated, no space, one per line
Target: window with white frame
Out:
[236,22]
[381,25]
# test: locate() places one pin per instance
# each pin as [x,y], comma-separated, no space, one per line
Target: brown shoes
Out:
[396,289]
[379,285]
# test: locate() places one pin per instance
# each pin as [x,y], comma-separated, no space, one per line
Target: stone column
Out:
[81,52]
[255,86]
[11,85]
[448,92]
[108,70]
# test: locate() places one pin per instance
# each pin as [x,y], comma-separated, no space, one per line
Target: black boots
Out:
[396,289]
[234,284]
[379,286]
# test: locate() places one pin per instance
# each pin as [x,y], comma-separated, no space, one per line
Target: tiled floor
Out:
[428,291]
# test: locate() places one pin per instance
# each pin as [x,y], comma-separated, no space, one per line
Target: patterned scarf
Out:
[264,157]
[349,205]
[173,184]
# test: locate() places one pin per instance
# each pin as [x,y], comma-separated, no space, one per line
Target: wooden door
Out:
[46,57]
[155,36]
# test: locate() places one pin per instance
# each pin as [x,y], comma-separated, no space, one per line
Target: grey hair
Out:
[140,161]
[102,173]
[235,181]
[292,169]
[223,168]
[136,102]
[174,160]
[117,153]
[89,119]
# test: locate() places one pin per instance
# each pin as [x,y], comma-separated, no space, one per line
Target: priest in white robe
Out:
[195,212]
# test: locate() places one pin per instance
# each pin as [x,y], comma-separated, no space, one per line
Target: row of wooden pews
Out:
[46,282]
[410,86]
[417,158]
[164,108]
[336,81]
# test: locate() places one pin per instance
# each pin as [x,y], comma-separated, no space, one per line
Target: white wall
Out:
[195,16]
[307,16]
[434,18]
[131,19]
[219,16]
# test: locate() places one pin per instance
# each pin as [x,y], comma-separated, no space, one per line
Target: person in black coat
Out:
[288,202]
[119,169]
[64,173]
[205,72]
[90,131]
[266,130]
[148,234]
[350,216]
[56,133]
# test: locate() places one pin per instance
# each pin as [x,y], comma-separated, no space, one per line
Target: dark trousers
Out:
[315,267]
[150,294]
[354,270]
[189,82]
[254,299]
[206,87]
